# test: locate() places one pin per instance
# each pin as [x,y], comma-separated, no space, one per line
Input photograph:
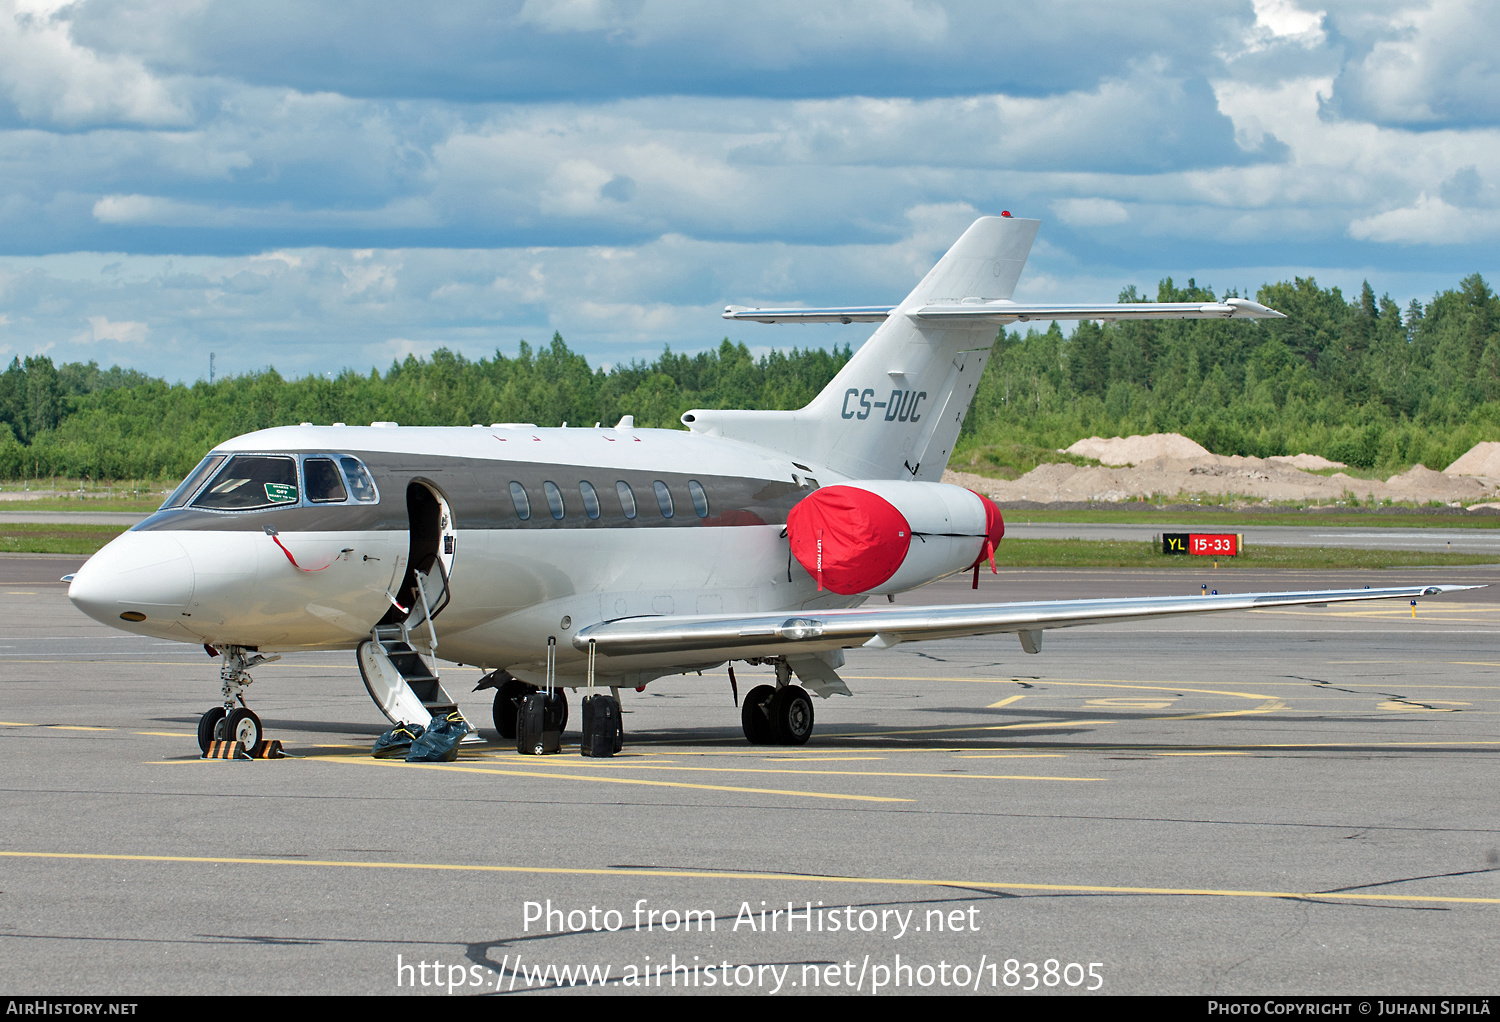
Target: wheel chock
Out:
[227,750]
[267,748]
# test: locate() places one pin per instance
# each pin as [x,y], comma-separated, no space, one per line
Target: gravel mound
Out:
[1483,459]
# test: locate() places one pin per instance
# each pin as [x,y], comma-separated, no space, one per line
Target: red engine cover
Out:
[994,529]
[847,538]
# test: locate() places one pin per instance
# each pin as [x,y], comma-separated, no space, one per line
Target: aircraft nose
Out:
[140,576]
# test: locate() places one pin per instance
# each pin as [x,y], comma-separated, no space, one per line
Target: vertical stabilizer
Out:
[894,411]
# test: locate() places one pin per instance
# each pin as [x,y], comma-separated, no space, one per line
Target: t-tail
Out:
[895,410]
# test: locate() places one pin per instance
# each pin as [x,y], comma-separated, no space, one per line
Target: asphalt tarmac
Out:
[1299,801]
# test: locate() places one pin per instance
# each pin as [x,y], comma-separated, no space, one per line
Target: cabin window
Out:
[627,498]
[663,498]
[554,499]
[520,500]
[358,478]
[700,498]
[250,482]
[590,498]
[195,479]
[324,484]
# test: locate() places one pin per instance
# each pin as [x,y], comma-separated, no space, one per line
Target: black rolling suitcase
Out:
[603,734]
[538,716]
[537,733]
[603,730]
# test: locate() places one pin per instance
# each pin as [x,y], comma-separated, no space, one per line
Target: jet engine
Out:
[886,536]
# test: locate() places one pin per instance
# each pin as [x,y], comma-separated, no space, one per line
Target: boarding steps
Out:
[395,672]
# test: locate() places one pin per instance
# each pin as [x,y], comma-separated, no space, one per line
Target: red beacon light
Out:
[1005,212]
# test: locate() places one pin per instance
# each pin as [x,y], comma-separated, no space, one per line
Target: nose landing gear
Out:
[233,720]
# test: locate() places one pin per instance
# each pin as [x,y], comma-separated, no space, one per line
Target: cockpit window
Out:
[189,486]
[323,482]
[360,483]
[250,482]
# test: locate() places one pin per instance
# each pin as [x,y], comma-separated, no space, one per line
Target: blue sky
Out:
[315,186]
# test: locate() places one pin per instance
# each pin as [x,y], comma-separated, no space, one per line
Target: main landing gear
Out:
[509,691]
[230,721]
[782,715]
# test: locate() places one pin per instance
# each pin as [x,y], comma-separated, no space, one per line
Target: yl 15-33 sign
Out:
[1203,544]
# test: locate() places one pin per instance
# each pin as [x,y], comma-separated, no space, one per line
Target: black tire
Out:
[508,696]
[792,716]
[244,727]
[207,725]
[755,715]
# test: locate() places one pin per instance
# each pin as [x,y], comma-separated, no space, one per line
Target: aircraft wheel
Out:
[244,727]
[507,703]
[208,727]
[755,715]
[792,716]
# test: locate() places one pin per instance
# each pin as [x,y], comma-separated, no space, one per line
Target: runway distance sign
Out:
[1202,544]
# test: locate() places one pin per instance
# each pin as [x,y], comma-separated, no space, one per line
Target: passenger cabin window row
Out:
[588,497]
[257,482]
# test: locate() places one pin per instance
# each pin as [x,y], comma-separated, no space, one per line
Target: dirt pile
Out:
[1171,466]
[1132,450]
[1483,459]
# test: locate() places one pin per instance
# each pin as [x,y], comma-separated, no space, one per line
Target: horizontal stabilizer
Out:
[1002,312]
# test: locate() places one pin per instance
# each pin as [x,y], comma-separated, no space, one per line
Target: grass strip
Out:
[43,538]
[1085,553]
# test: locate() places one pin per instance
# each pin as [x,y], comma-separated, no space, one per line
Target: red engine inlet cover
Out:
[849,539]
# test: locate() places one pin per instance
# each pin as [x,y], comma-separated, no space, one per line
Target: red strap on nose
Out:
[277,540]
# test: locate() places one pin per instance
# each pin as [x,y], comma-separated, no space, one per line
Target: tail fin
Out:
[894,411]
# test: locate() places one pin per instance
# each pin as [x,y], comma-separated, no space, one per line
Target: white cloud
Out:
[101,329]
[50,78]
[1090,212]
[1429,221]
[1284,21]
[1430,63]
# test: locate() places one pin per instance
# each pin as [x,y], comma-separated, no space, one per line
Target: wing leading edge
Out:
[784,633]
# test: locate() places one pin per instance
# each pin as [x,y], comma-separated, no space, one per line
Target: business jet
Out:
[618,555]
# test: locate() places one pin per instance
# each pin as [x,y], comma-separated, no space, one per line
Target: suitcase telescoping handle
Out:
[551,664]
[591,666]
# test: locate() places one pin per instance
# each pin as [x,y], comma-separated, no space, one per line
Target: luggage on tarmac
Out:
[603,734]
[538,725]
[539,715]
[397,741]
[439,743]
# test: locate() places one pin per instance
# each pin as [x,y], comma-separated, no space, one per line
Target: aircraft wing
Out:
[881,627]
[1001,312]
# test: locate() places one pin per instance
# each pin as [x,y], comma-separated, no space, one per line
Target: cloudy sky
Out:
[313,185]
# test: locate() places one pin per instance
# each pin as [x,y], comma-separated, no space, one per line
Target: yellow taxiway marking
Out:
[684,874]
[828,759]
[1129,703]
[16,723]
[75,727]
[1005,702]
[14,592]
[1222,753]
[1409,707]
[969,727]
[507,772]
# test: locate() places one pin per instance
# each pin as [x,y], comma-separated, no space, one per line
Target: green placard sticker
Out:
[281,493]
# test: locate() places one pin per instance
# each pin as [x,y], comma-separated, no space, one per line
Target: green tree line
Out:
[78,420]
[1364,381]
